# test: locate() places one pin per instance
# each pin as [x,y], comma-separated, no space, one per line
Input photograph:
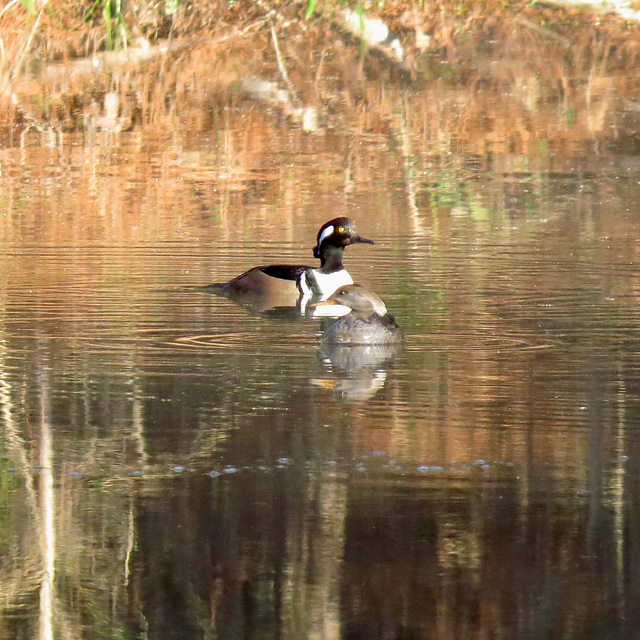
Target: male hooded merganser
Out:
[291,282]
[369,322]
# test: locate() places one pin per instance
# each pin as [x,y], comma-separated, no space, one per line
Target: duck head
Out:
[337,234]
[362,302]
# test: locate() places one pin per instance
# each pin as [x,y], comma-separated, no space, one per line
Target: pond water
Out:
[174,465]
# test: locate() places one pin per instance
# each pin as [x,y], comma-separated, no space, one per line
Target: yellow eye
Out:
[340,229]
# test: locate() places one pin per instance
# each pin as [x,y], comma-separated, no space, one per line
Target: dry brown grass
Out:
[453,29]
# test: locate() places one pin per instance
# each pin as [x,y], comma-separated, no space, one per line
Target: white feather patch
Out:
[329,282]
[326,283]
[326,232]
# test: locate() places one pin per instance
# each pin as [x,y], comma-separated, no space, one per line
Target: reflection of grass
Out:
[9,481]
[10,484]
[451,192]
[543,146]
[571,116]
[92,532]
[444,194]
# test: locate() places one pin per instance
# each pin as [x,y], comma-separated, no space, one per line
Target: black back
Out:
[284,271]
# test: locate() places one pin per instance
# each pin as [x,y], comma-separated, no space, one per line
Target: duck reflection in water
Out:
[361,345]
[290,289]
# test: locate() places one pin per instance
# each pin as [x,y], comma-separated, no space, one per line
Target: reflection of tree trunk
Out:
[618,486]
[15,441]
[137,432]
[17,583]
[47,509]
[411,182]
[311,601]
[131,538]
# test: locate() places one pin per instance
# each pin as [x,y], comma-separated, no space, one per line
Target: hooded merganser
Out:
[294,282]
[368,323]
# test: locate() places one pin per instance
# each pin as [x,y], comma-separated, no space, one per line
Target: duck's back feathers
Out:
[352,330]
[275,278]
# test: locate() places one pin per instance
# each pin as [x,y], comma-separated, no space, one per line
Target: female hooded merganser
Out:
[290,282]
[369,322]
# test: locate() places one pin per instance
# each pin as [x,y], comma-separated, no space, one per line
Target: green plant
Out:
[30,6]
[112,19]
[310,8]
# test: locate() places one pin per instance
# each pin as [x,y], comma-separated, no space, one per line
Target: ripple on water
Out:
[220,340]
[465,340]
[243,339]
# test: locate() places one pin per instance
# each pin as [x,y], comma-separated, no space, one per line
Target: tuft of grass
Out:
[112,20]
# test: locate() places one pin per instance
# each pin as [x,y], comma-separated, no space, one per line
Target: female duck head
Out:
[362,302]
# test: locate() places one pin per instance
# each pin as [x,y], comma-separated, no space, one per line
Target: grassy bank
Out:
[33,32]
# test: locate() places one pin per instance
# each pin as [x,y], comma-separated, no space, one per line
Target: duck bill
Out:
[356,239]
[323,303]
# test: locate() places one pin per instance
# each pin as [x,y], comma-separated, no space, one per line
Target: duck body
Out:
[375,330]
[258,280]
[368,323]
[299,284]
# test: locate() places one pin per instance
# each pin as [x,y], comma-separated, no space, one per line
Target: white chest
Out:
[327,283]
[316,286]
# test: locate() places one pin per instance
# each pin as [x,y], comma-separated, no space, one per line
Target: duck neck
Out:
[331,259]
[371,310]
[365,316]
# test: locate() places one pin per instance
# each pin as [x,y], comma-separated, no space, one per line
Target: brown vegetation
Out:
[453,29]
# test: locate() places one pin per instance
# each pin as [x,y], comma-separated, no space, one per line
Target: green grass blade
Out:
[311,7]
[30,6]
[106,19]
